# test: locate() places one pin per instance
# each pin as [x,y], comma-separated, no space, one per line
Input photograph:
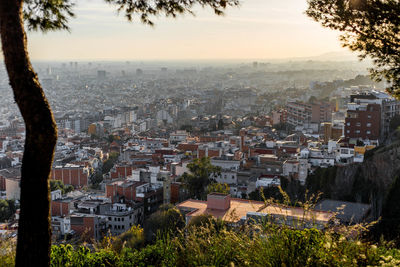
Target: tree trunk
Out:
[33,247]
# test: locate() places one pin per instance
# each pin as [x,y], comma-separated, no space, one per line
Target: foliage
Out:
[66,255]
[218,188]
[51,15]
[132,239]
[111,138]
[109,163]
[47,15]
[262,194]
[252,245]
[57,184]
[187,127]
[7,251]
[96,179]
[200,176]
[7,209]
[161,253]
[168,8]
[94,137]
[370,27]
[200,220]
[166,221]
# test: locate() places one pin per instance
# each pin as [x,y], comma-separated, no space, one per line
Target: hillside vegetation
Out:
[215,244]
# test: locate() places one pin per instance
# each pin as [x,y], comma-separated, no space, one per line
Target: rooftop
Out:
[240,207]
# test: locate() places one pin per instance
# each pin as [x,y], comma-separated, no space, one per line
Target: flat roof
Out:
[240,207]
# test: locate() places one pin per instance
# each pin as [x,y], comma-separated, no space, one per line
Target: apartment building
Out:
[71,174]
[300,113]
[363,121]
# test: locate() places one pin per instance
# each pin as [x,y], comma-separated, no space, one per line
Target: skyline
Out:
[256,30]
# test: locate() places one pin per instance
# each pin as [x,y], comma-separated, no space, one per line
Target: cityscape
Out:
[127,131]
[262,135]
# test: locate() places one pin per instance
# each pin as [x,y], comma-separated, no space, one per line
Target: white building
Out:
[225,163]
[178,137]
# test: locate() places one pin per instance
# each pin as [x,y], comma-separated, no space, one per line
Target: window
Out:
[122,219]
[109,218]
[368,132]
[358,124]
[348,124]
[369,116]
[368,124]
[348,131]
[357,131]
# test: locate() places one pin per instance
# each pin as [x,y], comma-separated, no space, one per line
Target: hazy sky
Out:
[258,29]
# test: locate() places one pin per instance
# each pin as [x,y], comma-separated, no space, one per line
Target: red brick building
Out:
[61,207]
[71,174]
[363,121]
[210,152]
[188,147]
[126,189]
[120,172]
[87,226]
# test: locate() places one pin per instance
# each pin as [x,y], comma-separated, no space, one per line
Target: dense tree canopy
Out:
[370,27]
[200,176]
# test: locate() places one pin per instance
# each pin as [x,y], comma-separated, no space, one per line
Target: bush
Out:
[7,251]
[250,245]
[166,221]
[66,255]
[133,238]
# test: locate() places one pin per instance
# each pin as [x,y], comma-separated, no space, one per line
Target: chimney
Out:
[218,201]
